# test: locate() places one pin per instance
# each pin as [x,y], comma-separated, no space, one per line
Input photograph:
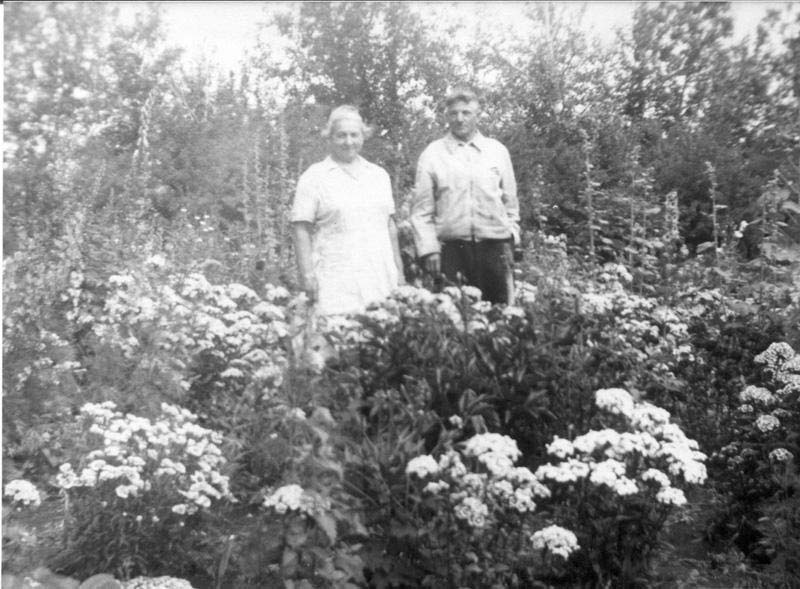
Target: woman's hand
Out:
[302,248]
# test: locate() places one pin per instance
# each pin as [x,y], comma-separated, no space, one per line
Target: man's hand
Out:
[311,288]
[432,263]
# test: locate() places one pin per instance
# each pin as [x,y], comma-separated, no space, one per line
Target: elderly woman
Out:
[344,229]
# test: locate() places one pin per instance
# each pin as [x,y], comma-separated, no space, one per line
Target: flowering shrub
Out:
[615,486]
[643,331]
[140,489]
[442,344]
[759,465]
[539,361]
[725,338]
[529,372]
[300,524]
[476,512]
[223,344]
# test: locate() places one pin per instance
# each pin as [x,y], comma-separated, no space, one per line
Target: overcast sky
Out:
[222,30]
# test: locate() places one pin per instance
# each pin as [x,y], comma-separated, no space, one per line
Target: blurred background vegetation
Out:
[109,135]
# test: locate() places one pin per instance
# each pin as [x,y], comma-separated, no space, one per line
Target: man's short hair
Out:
[462,93]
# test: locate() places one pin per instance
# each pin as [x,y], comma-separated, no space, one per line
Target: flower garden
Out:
[175,415]
[185,433]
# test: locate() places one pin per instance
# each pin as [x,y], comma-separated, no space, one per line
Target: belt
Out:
[474,240]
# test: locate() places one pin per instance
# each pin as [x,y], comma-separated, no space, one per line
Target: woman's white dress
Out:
[352,253]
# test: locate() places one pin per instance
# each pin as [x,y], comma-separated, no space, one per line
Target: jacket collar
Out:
[478,141]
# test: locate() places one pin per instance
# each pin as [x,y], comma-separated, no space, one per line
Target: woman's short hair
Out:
[345,111]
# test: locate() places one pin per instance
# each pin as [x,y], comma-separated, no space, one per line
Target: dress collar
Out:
[332,164]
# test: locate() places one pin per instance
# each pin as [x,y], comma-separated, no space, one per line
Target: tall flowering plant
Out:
[304,537]
[136,497]
[479,519]
[616,485]
[300,525]
[759,466]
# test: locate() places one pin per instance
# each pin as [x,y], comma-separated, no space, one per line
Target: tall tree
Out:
[379,56]
[675,48]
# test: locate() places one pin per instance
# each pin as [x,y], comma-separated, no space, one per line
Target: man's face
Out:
[462,119]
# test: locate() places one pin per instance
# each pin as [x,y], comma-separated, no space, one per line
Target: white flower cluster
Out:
[473,511]
[648,329]
[556,540]
[783,364]
[775,356]
[497,452]
[780,455]
[382,316]
[345,330]
[170,456]
[525,293]
[22,491]
[767,423]
[754,394]
[617,401]
[650,457]
[596,303]
[422,466]
[614,276]
[157,583]
[611,473]
[671,496]
[469,293]
[295,498]
[452,303]
[476,494]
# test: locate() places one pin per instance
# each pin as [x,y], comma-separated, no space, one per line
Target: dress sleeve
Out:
[387,202]
[306,200]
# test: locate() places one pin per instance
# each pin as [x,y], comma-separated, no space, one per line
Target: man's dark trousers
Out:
[486,264]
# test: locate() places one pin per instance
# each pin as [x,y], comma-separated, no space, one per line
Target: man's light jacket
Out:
[464,190]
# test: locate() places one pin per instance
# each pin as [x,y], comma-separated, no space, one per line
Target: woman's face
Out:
[346,140]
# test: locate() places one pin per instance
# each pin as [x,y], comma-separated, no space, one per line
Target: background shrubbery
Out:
[147,262]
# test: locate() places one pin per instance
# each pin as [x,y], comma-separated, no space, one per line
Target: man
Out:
[464,209]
